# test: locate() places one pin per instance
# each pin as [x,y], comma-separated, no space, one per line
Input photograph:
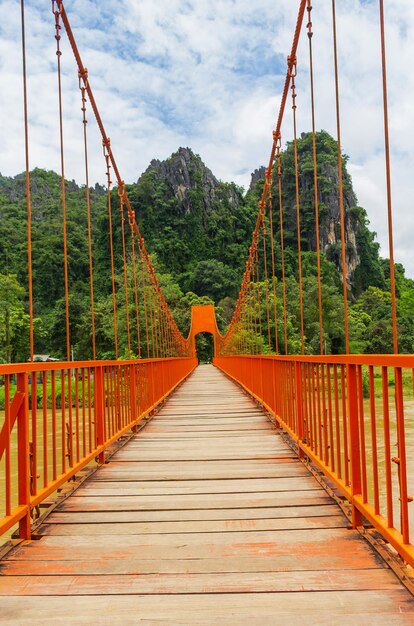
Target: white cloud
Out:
[208,74]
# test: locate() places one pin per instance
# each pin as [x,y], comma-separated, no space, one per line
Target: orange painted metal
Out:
[203,320]
[388,179]
[75,426]
[319,400]
[340,180]
[27,180]
[58,27]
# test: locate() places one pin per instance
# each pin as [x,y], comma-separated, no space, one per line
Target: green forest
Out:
[198,231]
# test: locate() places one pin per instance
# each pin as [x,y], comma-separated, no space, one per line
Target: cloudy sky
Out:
[207,74]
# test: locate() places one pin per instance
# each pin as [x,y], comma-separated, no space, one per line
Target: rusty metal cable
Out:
[266,277]
[88,208]
[107,149]
[151,312]
[282,238]
[297,201]
[144,295]
[276,134]
[181,345]
[269,175]
[259,304]
[136,296]
[28,196]
[121,194]
[57,14]
[340,179]
[315,178]
[388,179]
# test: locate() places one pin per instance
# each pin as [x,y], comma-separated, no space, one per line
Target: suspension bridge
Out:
[267,486]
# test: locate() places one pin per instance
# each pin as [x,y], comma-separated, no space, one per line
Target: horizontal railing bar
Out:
[375,360]
[49,366]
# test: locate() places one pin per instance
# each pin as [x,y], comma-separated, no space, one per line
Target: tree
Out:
[215,279]
[14,321]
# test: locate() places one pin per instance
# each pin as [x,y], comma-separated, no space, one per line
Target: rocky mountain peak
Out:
[184,172]
[258,174]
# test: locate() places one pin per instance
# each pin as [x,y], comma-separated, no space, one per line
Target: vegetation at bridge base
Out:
[198,230]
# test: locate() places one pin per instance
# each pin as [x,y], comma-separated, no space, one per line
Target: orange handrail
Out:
[58,431]
[328,406]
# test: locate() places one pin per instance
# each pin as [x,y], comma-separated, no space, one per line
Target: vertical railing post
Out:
[23,454]
[133,395]
[354,445]
[261,364]
[300,429]
[152,366]
[401,459]
[275,370]
[162,378]
[99,410]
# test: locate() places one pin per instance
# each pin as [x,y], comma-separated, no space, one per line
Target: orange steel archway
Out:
[203,320]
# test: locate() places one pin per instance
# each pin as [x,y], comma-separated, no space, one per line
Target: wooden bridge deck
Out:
[205,517]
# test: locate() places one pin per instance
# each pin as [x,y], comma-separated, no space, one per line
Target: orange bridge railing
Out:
[55,418]
[347,414]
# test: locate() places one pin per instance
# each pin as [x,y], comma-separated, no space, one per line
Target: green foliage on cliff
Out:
[198,231]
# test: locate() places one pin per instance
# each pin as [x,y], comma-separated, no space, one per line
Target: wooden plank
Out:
[200,501]
[323,608]
[188,470]
[174,487]
[281,542]
[316,548]
[219,583]
[155,435]
[199,455]
[209,526]
[101,517]
[127,565]
[207,425]
[267,443]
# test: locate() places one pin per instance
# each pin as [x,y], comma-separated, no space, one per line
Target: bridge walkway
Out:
[205,517]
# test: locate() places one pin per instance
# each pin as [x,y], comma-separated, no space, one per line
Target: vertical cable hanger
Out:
[136,296]
[28,197]
[388,179]
[56,9]
[107,151]
[144,294]
[293,74]
[83,80]
[264,234]
[282,239]
[340,178]
[269,177]
[315,178]
[121,194]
